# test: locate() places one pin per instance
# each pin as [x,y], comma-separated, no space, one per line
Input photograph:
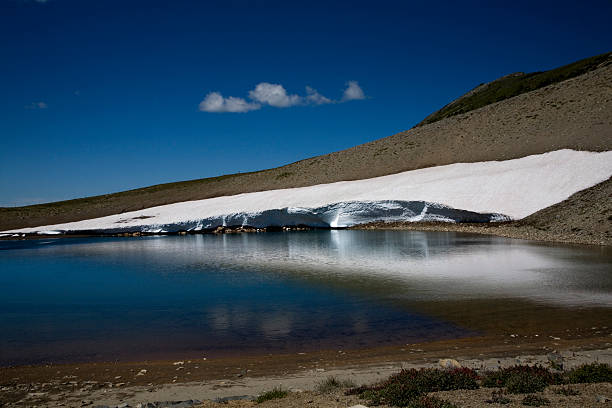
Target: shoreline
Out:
[113,383]
[511,229]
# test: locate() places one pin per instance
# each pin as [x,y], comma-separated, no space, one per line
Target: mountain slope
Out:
[515,84]
[574,114]
[461,192]
[585,216]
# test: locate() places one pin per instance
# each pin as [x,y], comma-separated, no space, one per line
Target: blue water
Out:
[104,299]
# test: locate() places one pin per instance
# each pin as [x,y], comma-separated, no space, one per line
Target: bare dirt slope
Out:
[586,216]
[575,113]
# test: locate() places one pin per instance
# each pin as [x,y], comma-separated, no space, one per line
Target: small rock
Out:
[358,406]
[449,363]
[555,359]
[602,398]
[178,363]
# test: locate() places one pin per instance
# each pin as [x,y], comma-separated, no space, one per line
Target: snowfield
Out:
[461,192]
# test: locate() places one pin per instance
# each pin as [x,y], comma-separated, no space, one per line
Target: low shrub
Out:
[519,372]
[276,393]
[589,373]
[535,401]
[408,386]
[433,379]
[398,394]
[524,383]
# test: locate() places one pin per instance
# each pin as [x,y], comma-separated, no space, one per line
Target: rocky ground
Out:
[305,389]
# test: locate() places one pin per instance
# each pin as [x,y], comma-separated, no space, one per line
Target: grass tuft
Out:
[331,384]
[275,393]
[535,401]
[567,391]
[498,397]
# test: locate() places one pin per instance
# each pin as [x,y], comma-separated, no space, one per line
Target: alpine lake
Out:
[65,300]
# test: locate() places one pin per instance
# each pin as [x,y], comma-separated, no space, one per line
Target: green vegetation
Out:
[589,373]
[523,383]
[331,384]
[276,393]
[535,401]
[513,85]
[409,386]
[520,379]
[283,175]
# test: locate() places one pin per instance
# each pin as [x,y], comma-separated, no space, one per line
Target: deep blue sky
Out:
[119,82]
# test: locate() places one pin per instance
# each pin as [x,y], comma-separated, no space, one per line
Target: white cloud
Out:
[37,105]
[315,98]
[352,92]
[274,95]
[215,102]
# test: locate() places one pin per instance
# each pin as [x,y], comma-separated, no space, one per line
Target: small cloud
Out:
[41,1]
[37,105]
[77,93]
[215,102]
[315,98]
[274,95]
[352,92]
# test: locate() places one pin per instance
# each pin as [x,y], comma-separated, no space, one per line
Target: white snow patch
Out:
[500,189]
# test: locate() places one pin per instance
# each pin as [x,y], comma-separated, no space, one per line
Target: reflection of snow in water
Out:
[432,265]
[276,324]
[408,264]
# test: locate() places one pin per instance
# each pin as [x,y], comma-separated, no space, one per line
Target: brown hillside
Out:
[576,114]
[584,217]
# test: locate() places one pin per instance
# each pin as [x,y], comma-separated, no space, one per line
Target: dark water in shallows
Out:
[64,300]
